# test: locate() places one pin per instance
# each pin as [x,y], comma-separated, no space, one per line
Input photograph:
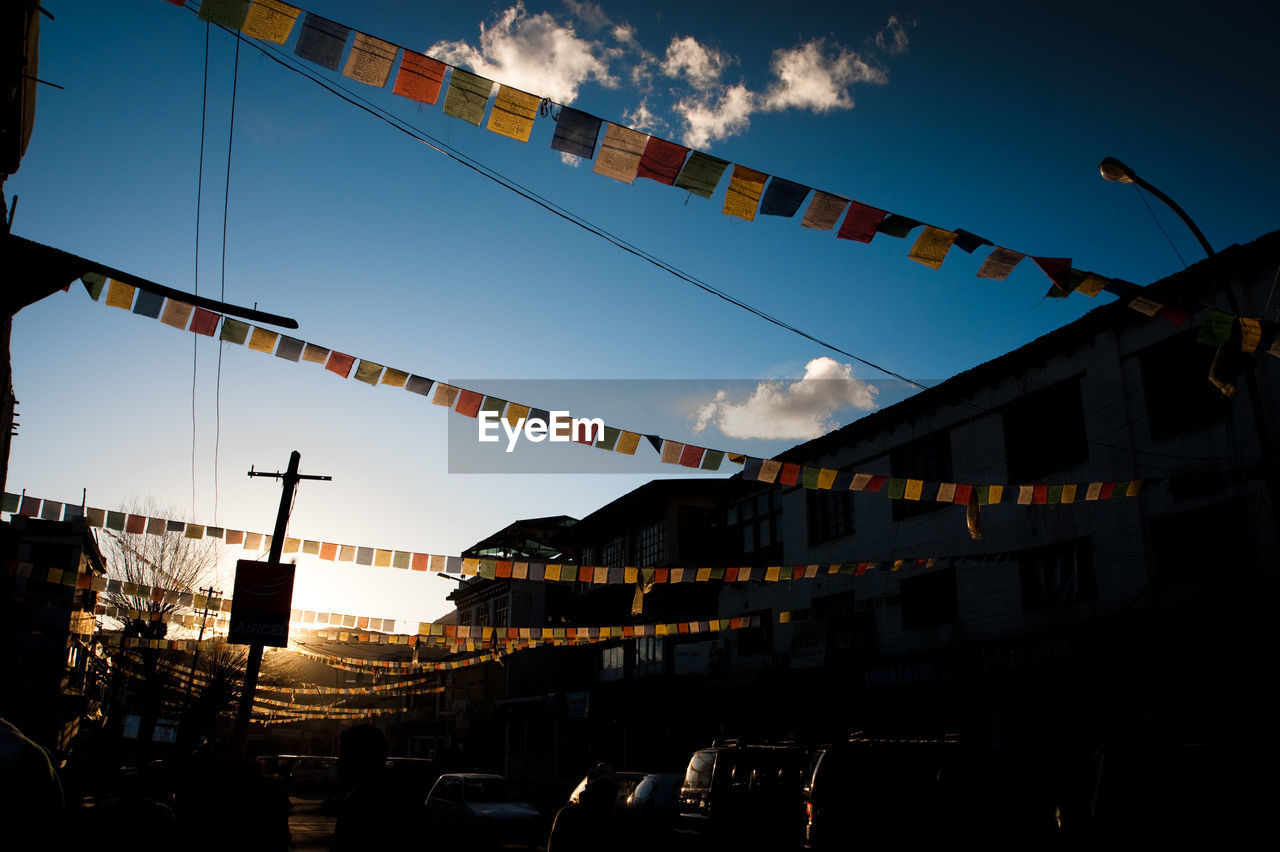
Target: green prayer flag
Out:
[492,403]
[468,93]
[368,372]
[811,476]
[711,459]
[1055,494]
[897,488]
[1216,327]
[93,283]
[609,439]
[234,331]
[226,13]
[115,521]
[701,173]
[10,502]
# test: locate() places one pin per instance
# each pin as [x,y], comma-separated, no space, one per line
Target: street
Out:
[309,829]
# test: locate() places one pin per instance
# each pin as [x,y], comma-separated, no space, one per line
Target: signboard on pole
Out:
[261,603]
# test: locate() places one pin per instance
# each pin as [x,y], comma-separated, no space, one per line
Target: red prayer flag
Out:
[469,403]
[204,322]
[1058,269]
[962,494]
[1039,495]
[340,363]
[420,77]
[877,482]
[135,524]
[584,573]
[790,473]
[329,551]
[421,561]
[662,160]
[731,574]
[860,223]
[1107,488]
[691,456]
[503,570]
[660,575]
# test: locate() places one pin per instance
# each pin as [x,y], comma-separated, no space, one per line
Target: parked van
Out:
[735,793]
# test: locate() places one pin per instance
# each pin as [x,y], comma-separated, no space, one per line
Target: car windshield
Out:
[481,790]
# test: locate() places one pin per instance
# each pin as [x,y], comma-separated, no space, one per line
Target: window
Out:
[1058,574]
[758,520]
[698,534]
[830,515]
[929,459]
[648,651]
[1176,388]
[929,600]
[614,553]
[464,617]
[652,547]
[501,607]
[1044,432]
[611,662]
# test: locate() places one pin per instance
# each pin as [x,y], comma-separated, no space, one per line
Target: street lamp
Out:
[1117,172]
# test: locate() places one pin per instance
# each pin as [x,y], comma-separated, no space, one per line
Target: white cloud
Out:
[795,410]
[531,52]
[701,66]
[643,118]
[809,76]
[706,120]
[893,38]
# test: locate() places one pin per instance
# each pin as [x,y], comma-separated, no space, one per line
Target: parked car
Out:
[736,793]
[654,801]
[627,782]
[875,790]
[477,810]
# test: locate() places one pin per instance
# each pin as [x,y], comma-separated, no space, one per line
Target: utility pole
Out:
[291,477]
[195,659]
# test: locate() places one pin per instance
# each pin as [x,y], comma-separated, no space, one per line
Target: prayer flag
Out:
[469,403]
[809,476]
[897,487]
[420,78]
[999,264]
[967,242]
[224,13]
[769,469]
[263,340]
[270,20]
[824,211]
[290,348]
[468,93]
[860,223]
[176,314]
[135,524]
[782,198]
[148,304]
[1058,269]
[419,385]
[204,322]
[492,403]
[620,153]
[932,246]
[897,226]
[93,284]
[913,489]
[946,492]
[315,354]
[513,113]
[1092,284]
[1215,328]
[859,481]
[157,526]
[691,456]
[1250,334]
[516,413]
[743,196]
[321,41]
[662,160]
[627,442]
[339,363]
[368,372]
[576,133]
[1142,305]
[751,467]
[394,378]
[671,452]
[370,60]
[608,440]
[234,331]
[711,459]
[701,174]
[120,295]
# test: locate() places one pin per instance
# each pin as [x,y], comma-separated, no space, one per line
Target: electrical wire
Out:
[226,205]
[204,112]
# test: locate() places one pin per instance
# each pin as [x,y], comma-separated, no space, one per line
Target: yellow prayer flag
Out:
[1069,493]
[515,413]
[270,20]
[784,617]
[629,575]
[291,545]
[826,477]
[382,558]
[513,113]
[702,575]
[932,246]
[445,395]
[771,573]
[552,572]
[395,378]
[263,340]
[743,195]
[913,489]
[1092,285]
[470,567]
[627,443]
[120,294]
[1135,487]
[1250,334]
[994,494]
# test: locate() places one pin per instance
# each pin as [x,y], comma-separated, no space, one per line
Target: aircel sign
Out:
[559,427]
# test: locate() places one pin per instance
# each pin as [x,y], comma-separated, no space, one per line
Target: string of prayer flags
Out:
[701,174]
[224,13]
[467,96]
[270,20]
[370,60]
[932,246]
[620,153]
[321,41]
[576,133]
[897,226]
[513,113]
[824,211]
[420,78]
[743,196]
[861,222]
[662,160]
[783,198]
[999,264]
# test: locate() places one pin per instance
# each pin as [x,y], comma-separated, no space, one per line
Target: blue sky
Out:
[990,118]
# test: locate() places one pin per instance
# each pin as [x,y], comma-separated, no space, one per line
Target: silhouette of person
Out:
[30,792]
[378,811]
[595,823]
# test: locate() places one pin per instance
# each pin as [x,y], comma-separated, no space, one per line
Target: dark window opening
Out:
[830,515]
[1058,574]
[928,459]
[1044,432]
[1175,385]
